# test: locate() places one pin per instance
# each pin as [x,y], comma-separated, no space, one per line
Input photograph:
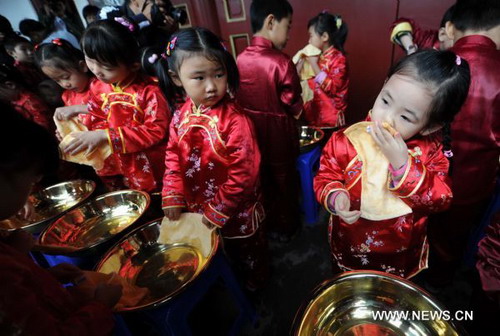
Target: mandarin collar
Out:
[477,40]
[261,42]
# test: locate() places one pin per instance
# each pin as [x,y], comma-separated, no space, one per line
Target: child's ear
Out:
[269,22]
[325,37]
[442,34]
[175,78]
[450,30]
[12,54]
[82,66]
[431,129]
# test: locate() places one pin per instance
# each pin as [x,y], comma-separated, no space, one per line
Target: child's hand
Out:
[172,213]
[342,208]
[67,112]
[66,273]
[207,223]
[393,147]
[58,136]
[88,141]
[108,294]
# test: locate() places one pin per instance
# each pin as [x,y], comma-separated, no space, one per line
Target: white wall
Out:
[17,10]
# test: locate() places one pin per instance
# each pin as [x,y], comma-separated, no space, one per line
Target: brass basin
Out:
[95,222]
[50,203]
[309,137]
[146,257]
[348,304]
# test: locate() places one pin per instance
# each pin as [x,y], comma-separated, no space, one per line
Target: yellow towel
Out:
[67,129]
[307,71]
[377,202]
[188,230]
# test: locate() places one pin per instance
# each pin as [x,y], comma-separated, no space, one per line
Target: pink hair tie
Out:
[448,153]
[124,22]
[324,11]
[152,58]
[458,60]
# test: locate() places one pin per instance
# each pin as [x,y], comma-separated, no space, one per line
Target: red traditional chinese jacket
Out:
[212,167]
[71,97]
[476,128]
[270,94]
[327,107]
[33,302]
[136,118]
[34,108]
[396,245]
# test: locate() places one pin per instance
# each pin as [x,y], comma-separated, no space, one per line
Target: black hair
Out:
[59,54]
[110,43]
[5,26]
[9,73]
[90,10]
[447,16]
[13,40]
[448,75]
[24,144]
[333,25]
[28,26]
[189,42]
[476,15]
[260,9]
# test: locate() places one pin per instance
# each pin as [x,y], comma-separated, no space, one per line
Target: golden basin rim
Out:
[31,226]
[71,250]
[299,324]
[156,303]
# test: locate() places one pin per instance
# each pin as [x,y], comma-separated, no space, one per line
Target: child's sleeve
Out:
[152,130]
[39,112]
[291,91]
[23,305]
[242,172]
[330,178]
[173,186]
[335,78]
[425,184]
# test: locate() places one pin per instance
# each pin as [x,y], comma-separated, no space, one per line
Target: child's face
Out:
[204,81]
[315,39]
[23,52]
[69,79]
[404,104]
[110,74]
[279,32]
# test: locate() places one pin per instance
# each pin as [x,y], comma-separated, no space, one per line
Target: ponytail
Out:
[154,64]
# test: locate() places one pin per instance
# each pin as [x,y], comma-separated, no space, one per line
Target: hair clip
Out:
[324,11]
[448,153]
[171,46]
[458,61]
[152,58]
[338,21]
[124,22]
[57,41]
[223,46]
